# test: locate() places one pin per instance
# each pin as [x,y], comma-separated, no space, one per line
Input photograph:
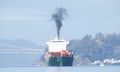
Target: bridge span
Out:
[15,49]
[35,51]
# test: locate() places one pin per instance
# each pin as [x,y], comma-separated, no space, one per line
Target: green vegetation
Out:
[101,47]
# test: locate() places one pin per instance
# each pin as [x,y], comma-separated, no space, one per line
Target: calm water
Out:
[62,69]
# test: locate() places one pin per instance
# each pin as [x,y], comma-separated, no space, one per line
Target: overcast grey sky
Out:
[31,19]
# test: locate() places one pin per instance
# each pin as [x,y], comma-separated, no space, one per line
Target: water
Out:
[62,69]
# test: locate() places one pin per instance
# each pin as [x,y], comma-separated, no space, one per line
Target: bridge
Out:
[20,51]
[15,49]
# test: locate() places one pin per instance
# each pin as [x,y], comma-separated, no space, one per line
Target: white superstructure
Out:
[57,45]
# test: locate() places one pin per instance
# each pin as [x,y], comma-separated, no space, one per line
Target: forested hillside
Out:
[100,47]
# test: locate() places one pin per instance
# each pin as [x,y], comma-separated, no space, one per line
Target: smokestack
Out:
[58,17]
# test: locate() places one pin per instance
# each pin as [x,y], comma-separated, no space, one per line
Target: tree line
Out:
[100,47]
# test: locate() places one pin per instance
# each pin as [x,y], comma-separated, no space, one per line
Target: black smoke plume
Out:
[58,17]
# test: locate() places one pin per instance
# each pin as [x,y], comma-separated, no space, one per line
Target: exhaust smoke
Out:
[58,17]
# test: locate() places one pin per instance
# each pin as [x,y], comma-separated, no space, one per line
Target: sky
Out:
[31,19]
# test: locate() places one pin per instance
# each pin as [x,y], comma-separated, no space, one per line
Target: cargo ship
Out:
[57,54]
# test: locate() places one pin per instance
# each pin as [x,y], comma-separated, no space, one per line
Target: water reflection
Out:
[55,69]
[62,69]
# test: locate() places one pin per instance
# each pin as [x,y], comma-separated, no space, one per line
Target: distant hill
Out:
[19,59]
[23,43]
